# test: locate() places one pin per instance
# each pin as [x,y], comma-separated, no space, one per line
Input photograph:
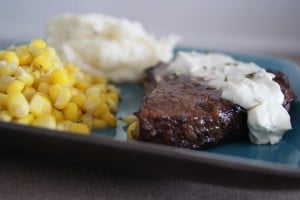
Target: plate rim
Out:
[184,155]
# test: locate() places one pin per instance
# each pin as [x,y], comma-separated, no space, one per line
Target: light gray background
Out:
[256,26]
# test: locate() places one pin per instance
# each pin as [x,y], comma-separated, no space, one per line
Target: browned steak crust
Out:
[286,89]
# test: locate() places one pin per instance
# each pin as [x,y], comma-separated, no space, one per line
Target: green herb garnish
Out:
[226,78]
[231,63]
[250,75]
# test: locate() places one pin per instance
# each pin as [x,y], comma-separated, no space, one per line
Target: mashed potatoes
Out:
[103,45]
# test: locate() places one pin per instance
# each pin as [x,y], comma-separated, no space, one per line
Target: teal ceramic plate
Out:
[110,148]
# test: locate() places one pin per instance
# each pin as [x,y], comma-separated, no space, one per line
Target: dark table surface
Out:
[25,177]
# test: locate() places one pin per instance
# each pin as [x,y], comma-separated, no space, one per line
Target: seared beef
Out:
[286,89]
[183,111]
[153,75]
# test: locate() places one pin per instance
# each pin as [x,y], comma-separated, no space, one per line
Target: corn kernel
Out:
[27,119]
[25,58]
[101,110]
[40,105]
[79,99]
[64,125]
[7,70]
[5,81]
[71,81]
[71,69]
[27,69]
[17,104]
[83,82]
[15,86]
[54,91]
[24,76]
[3,99]
[36,75]
[80,128]
[10,56]
[59,76]
[36,44]
[87,119]
[42,52]
[63,98]
[110,119]
[113,95]
[91,103]
[103,97]
[96,89]
[54,56]
[112,105]
[130,129]
[57,114]
[75,91]
[44,78]
[5,116]
[99,123]
[128,119]
[43,87]
[21,48]
[55,65]
[29,92]
[45,121]
[41,62]
[112,88]
[100,79]
[71,111]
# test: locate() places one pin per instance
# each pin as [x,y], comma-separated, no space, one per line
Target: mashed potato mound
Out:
[102,45]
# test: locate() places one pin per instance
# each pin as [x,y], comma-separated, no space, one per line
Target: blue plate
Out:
[109,147]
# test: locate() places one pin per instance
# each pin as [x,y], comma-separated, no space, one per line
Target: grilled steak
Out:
[287,91]
[183,111]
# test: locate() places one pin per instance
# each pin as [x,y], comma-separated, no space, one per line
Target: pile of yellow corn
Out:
[37,88]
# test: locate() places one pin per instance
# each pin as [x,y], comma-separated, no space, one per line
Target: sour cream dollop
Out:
[245,84]
[119,49]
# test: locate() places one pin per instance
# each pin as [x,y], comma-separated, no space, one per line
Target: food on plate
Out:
[102,45]
[200,100]
[37,88]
